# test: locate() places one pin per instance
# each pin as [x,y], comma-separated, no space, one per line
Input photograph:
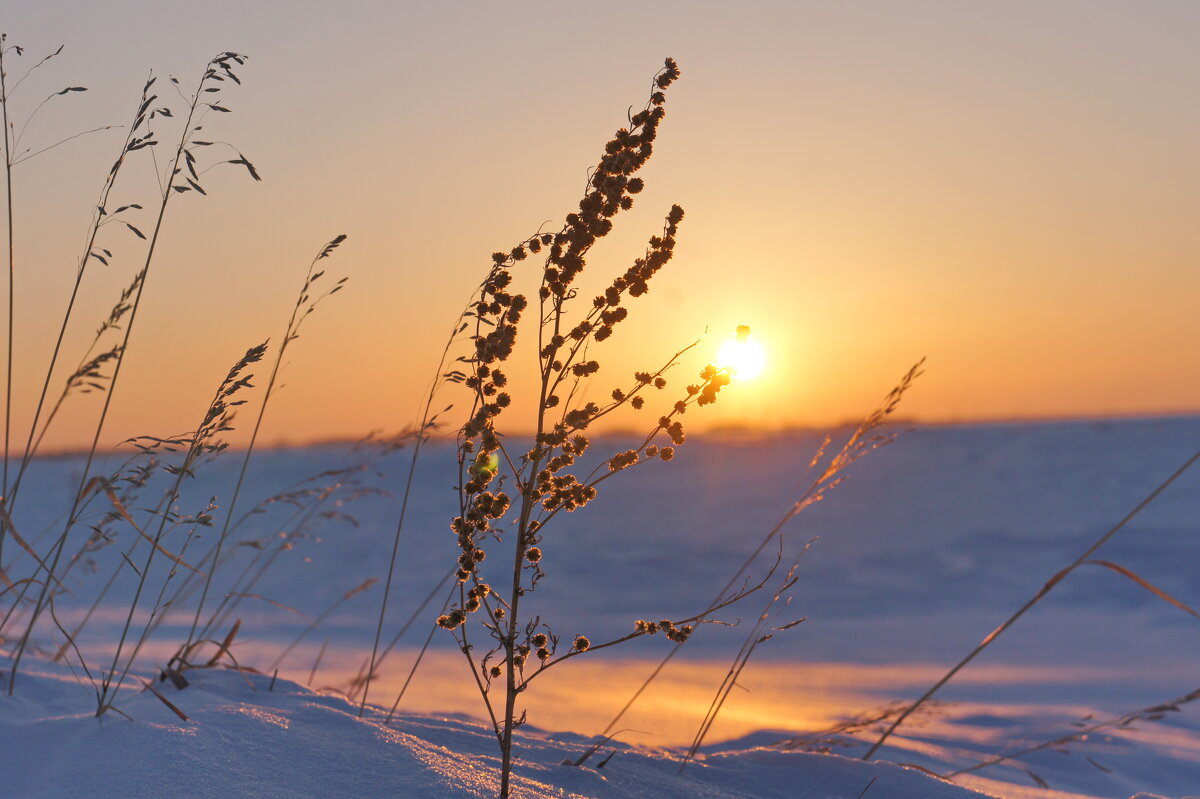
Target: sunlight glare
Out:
[742,355]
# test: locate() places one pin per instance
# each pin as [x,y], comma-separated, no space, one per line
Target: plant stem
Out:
[288,335]
[387,585]
[8,165]
[510,639]
[412,468]
[30,445]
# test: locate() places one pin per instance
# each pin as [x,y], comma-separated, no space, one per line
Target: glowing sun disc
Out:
[742,356]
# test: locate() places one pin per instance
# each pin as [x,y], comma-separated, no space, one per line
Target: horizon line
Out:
[724,430]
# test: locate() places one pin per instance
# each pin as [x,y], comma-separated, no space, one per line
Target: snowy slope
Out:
[930,544]
[242,739]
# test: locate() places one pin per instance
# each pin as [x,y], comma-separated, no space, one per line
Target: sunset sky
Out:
[1011,190]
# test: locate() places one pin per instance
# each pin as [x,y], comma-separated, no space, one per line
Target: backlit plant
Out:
[509,495]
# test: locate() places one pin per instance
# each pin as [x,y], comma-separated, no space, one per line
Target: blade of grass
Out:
[1158,592]
[8,165]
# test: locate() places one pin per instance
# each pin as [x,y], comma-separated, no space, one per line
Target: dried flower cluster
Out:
[676,634]
[514,494]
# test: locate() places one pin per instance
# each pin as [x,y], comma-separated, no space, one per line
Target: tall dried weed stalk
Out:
[509,495]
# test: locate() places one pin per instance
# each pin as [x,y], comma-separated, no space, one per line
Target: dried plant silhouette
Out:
[846,734]
[203,442]
[510,495]
[760,633]
[159,464]
[306,303]
[180,177]
[541,477]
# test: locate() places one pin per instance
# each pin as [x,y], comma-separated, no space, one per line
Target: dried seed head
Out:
[451,620]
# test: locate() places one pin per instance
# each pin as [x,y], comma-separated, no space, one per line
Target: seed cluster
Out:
[610,190]
[674,633]
[545,478]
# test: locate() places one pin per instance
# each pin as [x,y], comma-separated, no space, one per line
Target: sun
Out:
[742,355]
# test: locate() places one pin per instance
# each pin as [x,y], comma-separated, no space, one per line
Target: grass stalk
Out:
[1084,731]
[8,165]
[182,591]
[391,572]
[424,647]
[861,442]
[312,674]
[428,419]
[411,673]
[100,215]
[304,306]
[1036,598]
[214,421]
[88,368]
[320,619]
[298,523]
[262,562]
[360,679]
[59,545]
[7,496]
[755,637]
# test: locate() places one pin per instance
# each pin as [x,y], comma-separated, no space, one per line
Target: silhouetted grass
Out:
[1055,579]
[135,538]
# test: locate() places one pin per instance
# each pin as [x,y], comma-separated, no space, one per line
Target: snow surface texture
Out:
[242,739]
[929,545]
